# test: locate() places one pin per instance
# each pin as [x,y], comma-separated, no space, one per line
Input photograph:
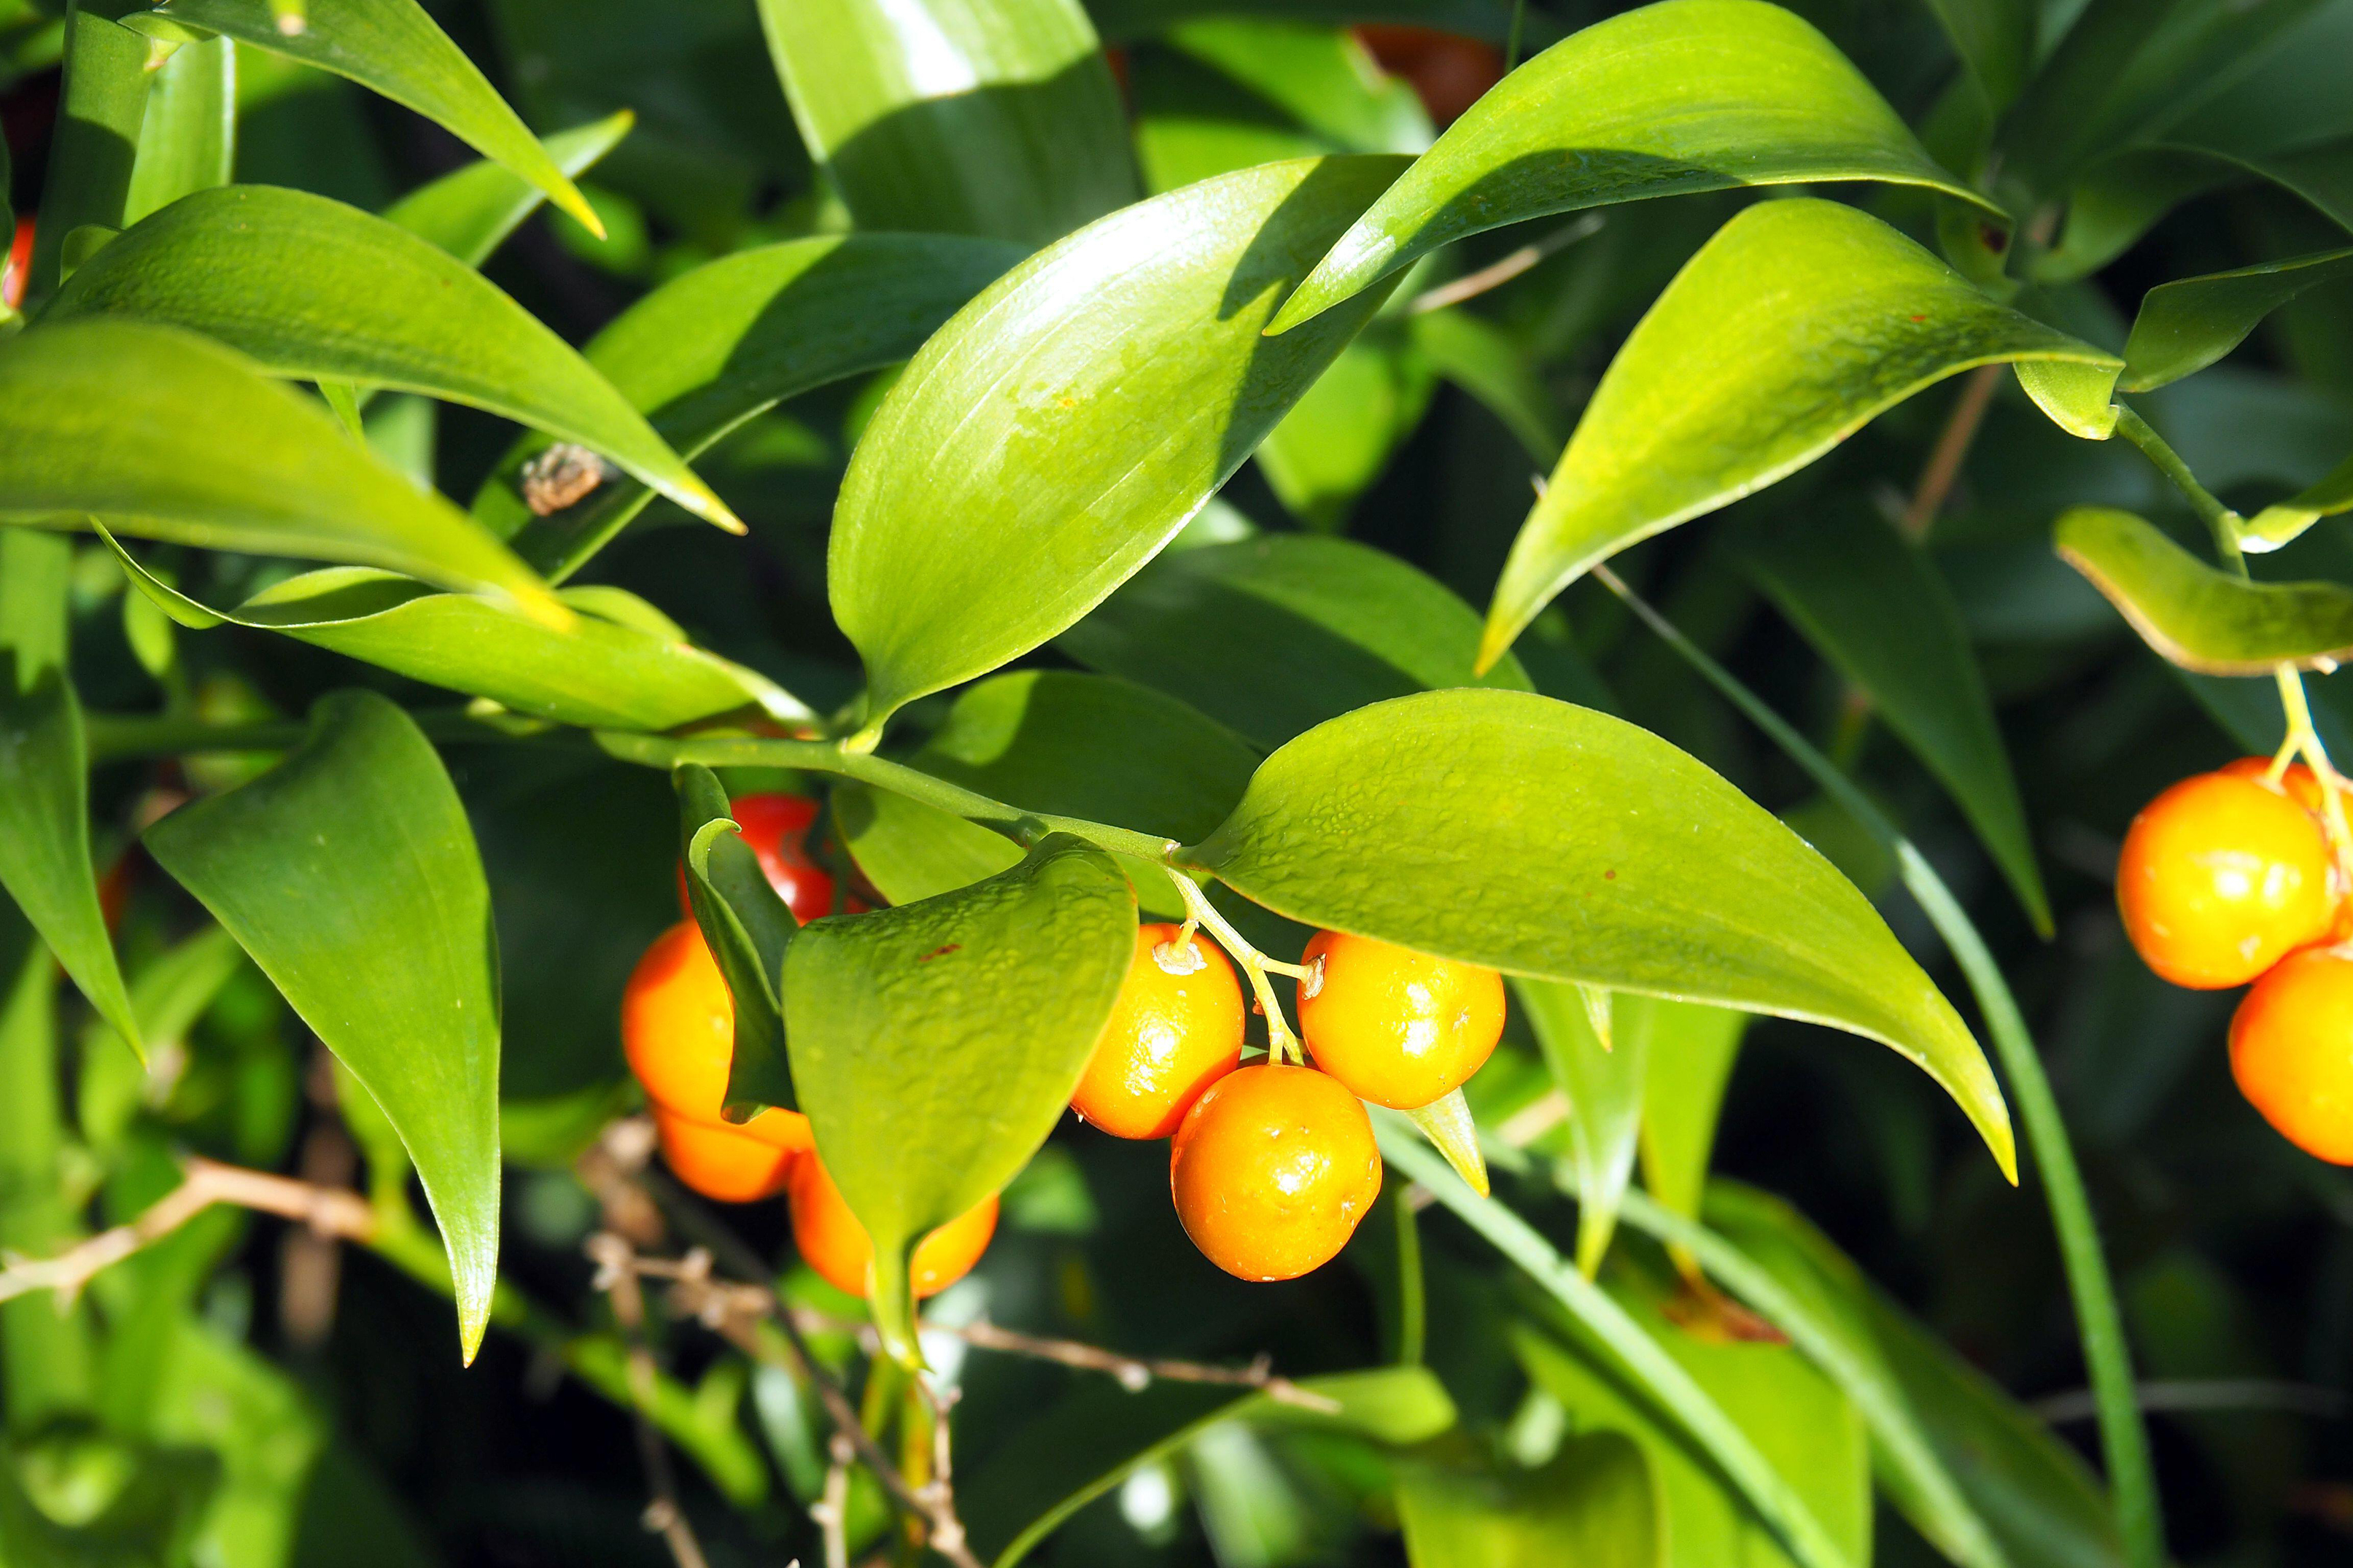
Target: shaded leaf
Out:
[1995,39]
[935,1044]
[468,212]
[1553,842]
[1483,361]
[188,142]
[956,116]
[167,435]
[348,871]
[46,1356]
[2329,494]
[1876,607]
[1321,76]
[1339,624]
[1591,1505]
[1691,1051]
[2199,617]
[394,49]
[2186,325]
[1060,429]
[1341,435]
[1795,325]
[1685,95]
[1604,1077]
[749,929]
[308,287]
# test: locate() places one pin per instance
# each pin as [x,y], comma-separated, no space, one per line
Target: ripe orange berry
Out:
[2298,782]
[1175,1029]
[1272,1170]
[832,1241]
[776,827]
[1400,1028]
[2292,1051]
[2222,876]
[678,1029]
[1447,71]
[723,1162]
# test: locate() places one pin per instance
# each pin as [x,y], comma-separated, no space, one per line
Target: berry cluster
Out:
[1273,1165]
[2232,877]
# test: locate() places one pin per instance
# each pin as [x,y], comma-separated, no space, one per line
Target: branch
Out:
[663,1517]
[1945,459]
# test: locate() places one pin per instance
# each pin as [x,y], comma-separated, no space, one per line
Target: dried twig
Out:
[831,1511]
[1944,465]
[615,1276]
[1495,274]
[329,1211]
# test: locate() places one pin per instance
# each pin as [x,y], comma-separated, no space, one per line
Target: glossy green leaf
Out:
[1685,95]
[2032,1491]
[167,435]
[1485,361]
[1604,1077]
[394,49]
[348,871]
[310,288]
[603,671]
[44,857]
[2187,324]
[1587,850]
[1321,76]
[733,338]
[1086,1445]
[1691,1050]
[749,929]
[956,116]
[2325,497]
[1876,607]
[188,140]
[1592,1504]
[1060,429]
[2197,615]
[1344,624]
[469,212]
[934,1044]
[1795,326]
[1449,1125]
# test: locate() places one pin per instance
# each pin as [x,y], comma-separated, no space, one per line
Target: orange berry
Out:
[722,1161]
[2292,1051]
[1272,1170]
[1400,1028]
[678,1029]
[776,828]
[2222,876]
[1175,1029]
[833,1242]
[1447,71]
[2298,782]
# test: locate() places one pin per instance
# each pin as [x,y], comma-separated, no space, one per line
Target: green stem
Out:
[2124,1439]
[1512,39]
[125,737]
[2220,520]
[101,104]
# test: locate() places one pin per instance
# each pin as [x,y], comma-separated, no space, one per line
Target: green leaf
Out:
[1794,327]
[956,116]
[169,437]
[348,871]
[603,671]
[2199,617]
[750,931]
[1591,1505]
[1485,361]
[1062,428]
[733,338]
[934,1044]
[168,995]
[1604,1077]
[1346,624]
[45,858]
[1686,95]
[1876,607]
[1995,39]
[1338,439]
[394,49]
[1692,1050]
[1086,1445]
[1553,842]
[2329,494]
[310,288]
[188,140]
[910,850]
[469,212]
[1319,76]
[1447,1122]
[2186,325]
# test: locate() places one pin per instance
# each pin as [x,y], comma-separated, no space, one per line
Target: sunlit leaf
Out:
[956,116]
[934,1044]
[2329,494]
[188,140]
[1876,607]
[1795,325]
[394,47]
[308,287]
[349,873]
[749,929]
[1553,842]
[2187,324]
[169,437]
[1685,95]
[468,213]
[2197,615]
[1060,429]
[1592,1504]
